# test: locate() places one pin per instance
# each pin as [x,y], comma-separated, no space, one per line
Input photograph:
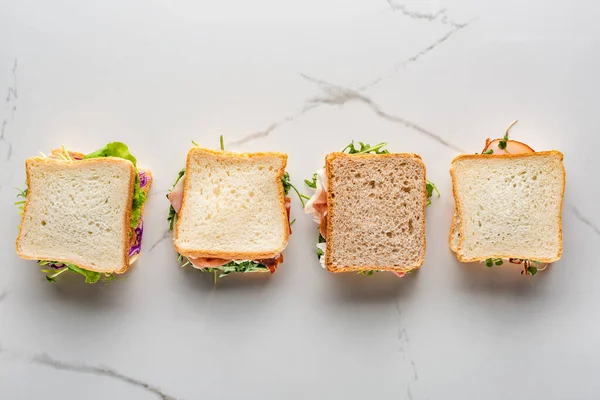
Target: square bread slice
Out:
[376,212]
[509,206]
[233,206]
[78,212]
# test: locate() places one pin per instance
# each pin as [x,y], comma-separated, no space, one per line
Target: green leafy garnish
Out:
[490,262]
[172,213]
[222,144]
[312,183]
[90,276]
[367,273]
[319,251]
[502,142]
[365,148]
[488,151]
[118,149]
[21,203]
[531,270]
[287,185]
[114,149]
[430,188]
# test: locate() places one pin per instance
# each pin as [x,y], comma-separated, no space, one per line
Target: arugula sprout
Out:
[366,148]
[430,188]
[313,183]
[172,213]
[230,268]
[90,276]
[118,149]
[503,142]
[21,203]
[320,252]
[490,262]
[287,185]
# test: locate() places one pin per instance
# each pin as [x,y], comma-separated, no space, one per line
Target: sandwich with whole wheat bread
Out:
[509,204]
[230,211]
[82,213]
[370,207]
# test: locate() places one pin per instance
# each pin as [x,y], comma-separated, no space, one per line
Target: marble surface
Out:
[431,77]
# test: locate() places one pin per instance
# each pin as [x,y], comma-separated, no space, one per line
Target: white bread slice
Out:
[233,206]
[78,212]
[509,206]
[376,212]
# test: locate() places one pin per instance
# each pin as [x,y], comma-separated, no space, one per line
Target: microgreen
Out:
[312,183]
[430,189]
[319,251]
[490,262]
[222,144]
[488,151]
[172,213]
[21,203]
[366,148]
[367,273]
[287,186]
[59,268]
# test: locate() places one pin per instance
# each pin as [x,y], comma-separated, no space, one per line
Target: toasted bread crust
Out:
[459,205]
[127,217]
[238,256]
[146,190]
[331,199]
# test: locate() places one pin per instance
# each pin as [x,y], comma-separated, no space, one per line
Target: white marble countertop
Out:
[431,77]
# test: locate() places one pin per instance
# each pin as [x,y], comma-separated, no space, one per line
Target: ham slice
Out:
[512,147]
[176,195]
[201,263]
[317,205]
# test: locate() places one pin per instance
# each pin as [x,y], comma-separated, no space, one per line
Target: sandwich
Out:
[82,213]
[230,211]
[509,202]
[370,208]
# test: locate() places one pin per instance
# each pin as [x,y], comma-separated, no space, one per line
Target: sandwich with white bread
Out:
[83,213]
[370,207]
[509,202]
[230,211]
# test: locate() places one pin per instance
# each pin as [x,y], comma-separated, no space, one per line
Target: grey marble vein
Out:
[45,360]
[445,19]
[409,393]
[416,56]
[168,233]
[355,95]
[3,295]
[11,105]
[337,95]
[414,367]
[583,219]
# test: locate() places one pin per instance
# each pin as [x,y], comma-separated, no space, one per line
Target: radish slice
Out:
[512,147]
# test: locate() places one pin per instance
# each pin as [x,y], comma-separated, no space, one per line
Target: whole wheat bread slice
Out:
[78,212]
[509,206]
[233,206]
[376,212]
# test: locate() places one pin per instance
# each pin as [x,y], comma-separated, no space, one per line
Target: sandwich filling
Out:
[141,187]
[317,204]
[223,267]
[504,146]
